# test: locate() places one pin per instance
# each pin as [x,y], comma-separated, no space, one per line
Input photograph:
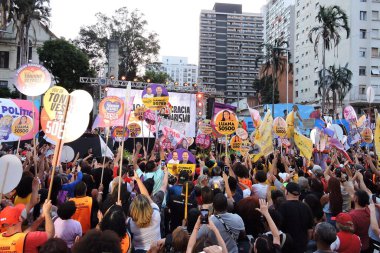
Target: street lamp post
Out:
[238,97]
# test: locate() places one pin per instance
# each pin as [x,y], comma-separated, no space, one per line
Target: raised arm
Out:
[164,186]
[272,226]
[142,188]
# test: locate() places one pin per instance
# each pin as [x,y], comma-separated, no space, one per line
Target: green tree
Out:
[23,12]
[157,76]
[337,81]
[264,86]
[137,47]
[5,92]
[66,62]
[273,63]
[332,20]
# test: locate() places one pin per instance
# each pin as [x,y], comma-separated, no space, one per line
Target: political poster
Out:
[226,122]
[180,156]
[111,109]
[10,110]
[155,96]
[183,110]
[119,134]
[22,125]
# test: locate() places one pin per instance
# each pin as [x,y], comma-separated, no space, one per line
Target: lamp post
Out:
[238,97]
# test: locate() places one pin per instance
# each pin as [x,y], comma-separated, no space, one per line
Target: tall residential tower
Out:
[228,47]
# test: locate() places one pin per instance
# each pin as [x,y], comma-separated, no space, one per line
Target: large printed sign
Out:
[155,97]
[183,110]
[10,109]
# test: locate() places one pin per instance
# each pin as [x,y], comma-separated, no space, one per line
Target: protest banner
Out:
[304,144]
[155,97]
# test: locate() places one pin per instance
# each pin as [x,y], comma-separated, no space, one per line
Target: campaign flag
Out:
[304,144]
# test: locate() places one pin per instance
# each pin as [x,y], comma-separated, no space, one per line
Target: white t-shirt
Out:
[171,161]
[260,190]
[67,230]
[144,237]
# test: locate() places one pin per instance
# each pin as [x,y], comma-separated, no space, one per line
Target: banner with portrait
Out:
[182,110]
[10,109]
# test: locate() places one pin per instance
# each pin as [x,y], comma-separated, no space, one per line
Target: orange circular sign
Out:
[226,122]
[236,142]
[367,135]
[22,125]
[205,126]
[134,130]
[279,127]
[139,113]
[32,79]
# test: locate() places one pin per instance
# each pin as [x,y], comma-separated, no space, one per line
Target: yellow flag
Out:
[290,123]
[304,144]
[264,136]
[376,139]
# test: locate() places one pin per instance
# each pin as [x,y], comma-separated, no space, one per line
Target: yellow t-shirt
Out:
[24,201]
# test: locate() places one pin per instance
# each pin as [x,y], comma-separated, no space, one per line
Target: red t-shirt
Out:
[361,220]
[115,171]
[348,243]
[34,240]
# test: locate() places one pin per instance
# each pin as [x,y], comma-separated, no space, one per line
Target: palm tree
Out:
[24,12]
[273,61]
[336,81]
[332,20]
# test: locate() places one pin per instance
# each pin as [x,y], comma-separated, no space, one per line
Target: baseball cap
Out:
[343,218]
[293,188]
[183,177]
[11,214]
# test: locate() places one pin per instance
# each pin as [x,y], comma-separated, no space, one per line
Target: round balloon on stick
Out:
[22,125]
[32,79]
[367,135]
[67,154]
[242,133]
[10,173]
[111,109]
[119,134]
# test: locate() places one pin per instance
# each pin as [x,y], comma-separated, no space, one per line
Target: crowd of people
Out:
[280,203]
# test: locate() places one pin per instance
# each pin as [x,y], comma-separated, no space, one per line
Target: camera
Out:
[204,216]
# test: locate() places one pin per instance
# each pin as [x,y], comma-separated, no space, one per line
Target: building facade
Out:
[229,43]
[10,51]
[179,70]
[361,51]
[279,23]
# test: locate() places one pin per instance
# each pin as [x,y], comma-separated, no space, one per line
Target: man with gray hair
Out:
[324,235]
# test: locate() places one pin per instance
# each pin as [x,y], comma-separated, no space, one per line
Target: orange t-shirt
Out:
[126,243]
[14,243]
[83,212]
[245,181]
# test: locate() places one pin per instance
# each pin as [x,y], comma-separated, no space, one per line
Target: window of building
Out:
[315,95]
[363,15]
[297,82]
[363,33]
[362,52]
[375,70]
[375,52]
[3,83]
[362,89]
[4,59]
[297,93]
[363,1]
[315,82]
[298,13]
[362,71]
[375,15]
[375,33]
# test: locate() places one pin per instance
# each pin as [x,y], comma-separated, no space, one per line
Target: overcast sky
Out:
[175,21]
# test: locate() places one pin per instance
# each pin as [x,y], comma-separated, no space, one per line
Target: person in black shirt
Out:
[177,206]
[297,218]
[97,174]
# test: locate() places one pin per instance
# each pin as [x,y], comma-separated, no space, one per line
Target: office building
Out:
[179,70]
[361,51]
[229,43]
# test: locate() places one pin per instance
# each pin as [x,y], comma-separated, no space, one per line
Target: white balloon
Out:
[67,154]
[80,101]
[75,126]
[10,173]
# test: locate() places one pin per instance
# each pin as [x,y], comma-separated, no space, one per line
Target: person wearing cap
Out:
[297,217]
[347,241]
[14,239]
